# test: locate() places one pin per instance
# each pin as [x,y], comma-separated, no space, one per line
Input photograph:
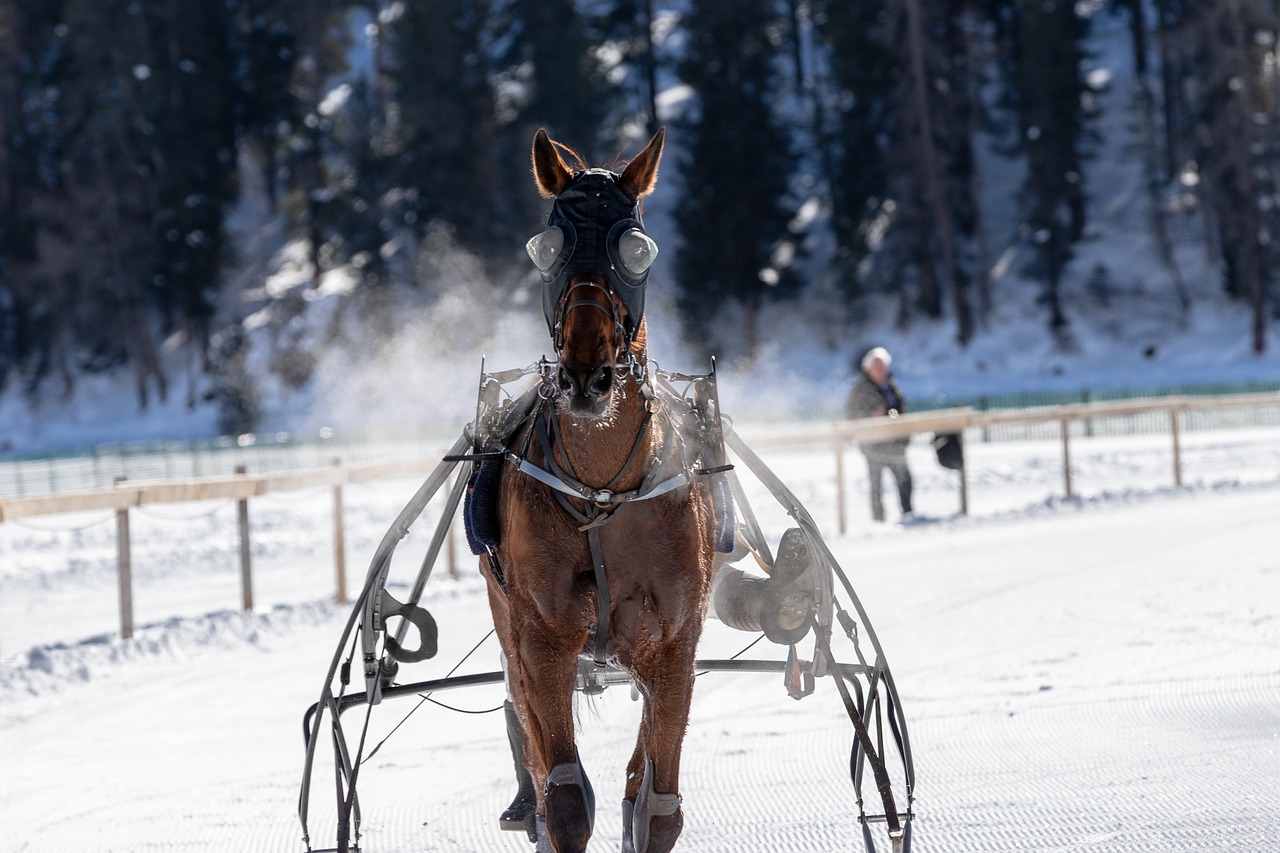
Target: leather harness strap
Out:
[601,507]
[566,482]
[602,598]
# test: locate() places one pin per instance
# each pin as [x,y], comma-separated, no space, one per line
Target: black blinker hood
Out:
[593,212]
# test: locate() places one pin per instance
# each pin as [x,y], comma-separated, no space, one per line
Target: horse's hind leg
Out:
[654,771]
[566,798]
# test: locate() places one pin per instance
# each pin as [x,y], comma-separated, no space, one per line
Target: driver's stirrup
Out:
[521,815]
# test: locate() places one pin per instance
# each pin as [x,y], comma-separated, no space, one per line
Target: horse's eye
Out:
[636,251]
[545,248]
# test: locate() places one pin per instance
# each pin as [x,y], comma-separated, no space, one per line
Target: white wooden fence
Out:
[837,435]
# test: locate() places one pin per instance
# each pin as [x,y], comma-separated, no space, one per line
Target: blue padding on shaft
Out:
[480,511]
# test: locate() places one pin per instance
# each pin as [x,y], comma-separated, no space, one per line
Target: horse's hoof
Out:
[664,831]
[571,808]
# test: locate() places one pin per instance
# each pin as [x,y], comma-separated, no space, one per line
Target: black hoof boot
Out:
[628,831]
[571,807]
[521,815]
[648,837]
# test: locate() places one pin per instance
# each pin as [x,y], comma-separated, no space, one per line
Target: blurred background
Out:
[301,217]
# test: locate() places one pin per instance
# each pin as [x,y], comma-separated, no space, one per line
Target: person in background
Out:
[875,394]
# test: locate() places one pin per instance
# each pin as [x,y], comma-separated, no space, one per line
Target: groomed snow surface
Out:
[1101,673]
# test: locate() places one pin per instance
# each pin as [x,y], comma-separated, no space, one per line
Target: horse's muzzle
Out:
[586,394]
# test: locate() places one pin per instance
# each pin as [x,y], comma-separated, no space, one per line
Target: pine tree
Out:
[548,75]
[629,24]
[863,71]
[733,213]
[266,38]
[1046,91]
[307,152]
[1236,150]
[127,119]
[27,70]
[934,139]
[138,252]
[1157,153]
[566,85]
[904,183]
[443,145]
[1175,69]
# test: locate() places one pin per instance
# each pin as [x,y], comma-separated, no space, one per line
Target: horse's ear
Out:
[641,174]
[549,169]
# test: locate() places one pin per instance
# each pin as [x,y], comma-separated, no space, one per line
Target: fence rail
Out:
[237,487]
[837,435]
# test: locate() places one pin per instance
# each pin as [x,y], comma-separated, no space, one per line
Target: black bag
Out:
[950,449]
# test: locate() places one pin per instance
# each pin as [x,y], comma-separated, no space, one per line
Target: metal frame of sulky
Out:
[866,687]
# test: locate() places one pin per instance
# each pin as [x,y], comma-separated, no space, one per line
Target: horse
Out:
[608,551]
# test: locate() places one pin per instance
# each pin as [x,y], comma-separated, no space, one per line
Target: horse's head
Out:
[594,258]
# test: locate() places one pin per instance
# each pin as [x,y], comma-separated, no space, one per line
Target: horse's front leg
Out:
[545,697]
[653,774]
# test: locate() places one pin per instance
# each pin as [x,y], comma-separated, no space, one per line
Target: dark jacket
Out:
[867,400]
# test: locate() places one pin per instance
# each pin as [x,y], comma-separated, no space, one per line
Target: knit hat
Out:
[876,353]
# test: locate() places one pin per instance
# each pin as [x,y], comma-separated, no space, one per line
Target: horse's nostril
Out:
[601,381]
[568,385]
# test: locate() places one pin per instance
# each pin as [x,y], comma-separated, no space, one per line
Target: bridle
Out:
[595,238]
[625,362]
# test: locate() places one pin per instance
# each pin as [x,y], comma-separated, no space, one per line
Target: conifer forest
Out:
[818,143]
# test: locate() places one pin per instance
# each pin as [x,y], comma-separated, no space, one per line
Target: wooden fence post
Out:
[124,569]
[1175,426]
[339,539]
[1066,455]
[840,496]
[246,571]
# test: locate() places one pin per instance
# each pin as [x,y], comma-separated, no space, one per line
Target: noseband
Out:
[624,360]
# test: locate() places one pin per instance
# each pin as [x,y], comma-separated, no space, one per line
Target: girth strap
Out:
[602,505]
[602,597]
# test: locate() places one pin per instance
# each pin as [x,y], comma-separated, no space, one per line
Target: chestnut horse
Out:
[602,430]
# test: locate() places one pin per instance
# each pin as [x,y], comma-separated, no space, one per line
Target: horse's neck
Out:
[598,450]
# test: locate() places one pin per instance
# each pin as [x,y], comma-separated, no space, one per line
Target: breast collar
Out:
[601,503]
